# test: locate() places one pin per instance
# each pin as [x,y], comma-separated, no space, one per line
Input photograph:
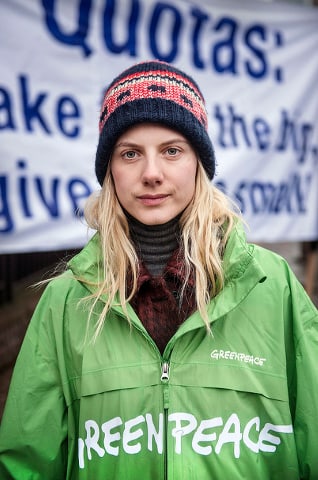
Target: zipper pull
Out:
[165,372]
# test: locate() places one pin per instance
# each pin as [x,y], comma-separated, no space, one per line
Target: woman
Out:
[170,348]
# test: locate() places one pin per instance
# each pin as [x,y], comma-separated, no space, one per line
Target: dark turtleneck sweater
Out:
[157,301]
[155,243]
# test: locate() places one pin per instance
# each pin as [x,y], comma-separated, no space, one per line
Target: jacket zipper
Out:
[165,372]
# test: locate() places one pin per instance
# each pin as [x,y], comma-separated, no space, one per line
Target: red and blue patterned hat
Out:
[155,92]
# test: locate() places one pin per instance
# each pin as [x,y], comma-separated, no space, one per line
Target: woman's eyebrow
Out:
[126,144]
[174,140]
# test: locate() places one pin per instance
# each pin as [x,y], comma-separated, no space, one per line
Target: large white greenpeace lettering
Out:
[206,436]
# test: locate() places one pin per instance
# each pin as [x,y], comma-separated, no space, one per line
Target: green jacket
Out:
[241,403]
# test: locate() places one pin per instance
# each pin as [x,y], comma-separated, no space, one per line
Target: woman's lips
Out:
[152,200]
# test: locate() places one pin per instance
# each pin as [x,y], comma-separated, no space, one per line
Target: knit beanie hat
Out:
[156,92]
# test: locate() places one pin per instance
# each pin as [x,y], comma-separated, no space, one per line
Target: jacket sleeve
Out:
[303,381]
[33,433]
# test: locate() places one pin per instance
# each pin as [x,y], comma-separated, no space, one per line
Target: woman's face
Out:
[154,170]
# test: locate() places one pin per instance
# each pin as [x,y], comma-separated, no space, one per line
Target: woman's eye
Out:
[130,155]
[172,151]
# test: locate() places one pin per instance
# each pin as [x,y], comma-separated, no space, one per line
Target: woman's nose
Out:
[152,172]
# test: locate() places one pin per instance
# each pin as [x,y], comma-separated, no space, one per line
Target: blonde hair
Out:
[205,227]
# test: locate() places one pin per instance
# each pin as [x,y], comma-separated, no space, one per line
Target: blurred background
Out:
[48,137]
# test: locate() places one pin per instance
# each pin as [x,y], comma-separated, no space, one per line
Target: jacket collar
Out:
[242,274]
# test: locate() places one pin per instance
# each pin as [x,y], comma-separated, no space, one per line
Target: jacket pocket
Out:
[116,377]
[242,378]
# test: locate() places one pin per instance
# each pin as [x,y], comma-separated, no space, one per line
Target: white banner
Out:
[255,63]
